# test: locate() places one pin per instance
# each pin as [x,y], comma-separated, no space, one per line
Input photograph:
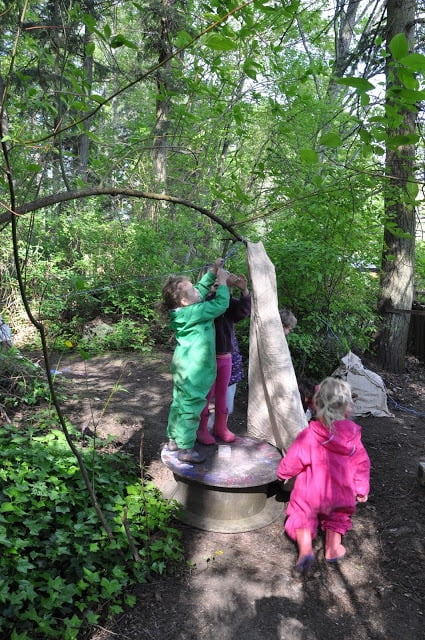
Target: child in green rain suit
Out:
[194,361]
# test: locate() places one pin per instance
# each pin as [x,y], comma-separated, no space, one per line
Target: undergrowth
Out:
[60,572]
[21,380]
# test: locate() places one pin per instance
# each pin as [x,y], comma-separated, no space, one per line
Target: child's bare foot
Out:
[335,555]
[334,550]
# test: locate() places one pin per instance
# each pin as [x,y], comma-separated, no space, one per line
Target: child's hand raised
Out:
[361,498]
[239,281]
[218,264]
[222,276]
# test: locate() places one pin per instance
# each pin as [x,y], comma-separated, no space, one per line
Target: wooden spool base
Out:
[233,491]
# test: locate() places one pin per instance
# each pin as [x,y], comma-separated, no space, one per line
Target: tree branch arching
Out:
[66,196]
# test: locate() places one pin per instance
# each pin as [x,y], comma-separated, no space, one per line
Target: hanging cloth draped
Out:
[275,412]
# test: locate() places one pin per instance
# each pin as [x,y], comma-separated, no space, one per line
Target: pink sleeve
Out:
[294,460]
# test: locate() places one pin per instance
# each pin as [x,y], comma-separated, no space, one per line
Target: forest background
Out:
[140,139]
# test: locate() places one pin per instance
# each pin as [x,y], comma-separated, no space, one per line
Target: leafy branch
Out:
[143,76]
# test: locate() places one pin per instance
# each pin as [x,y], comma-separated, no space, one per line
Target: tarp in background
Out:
[369,387]
[275,411]
[5,333]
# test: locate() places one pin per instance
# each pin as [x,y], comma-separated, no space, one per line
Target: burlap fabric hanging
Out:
[275,412]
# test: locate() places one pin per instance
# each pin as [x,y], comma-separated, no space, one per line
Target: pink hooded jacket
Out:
[331,467]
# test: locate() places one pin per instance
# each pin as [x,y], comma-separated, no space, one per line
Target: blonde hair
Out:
[332,400]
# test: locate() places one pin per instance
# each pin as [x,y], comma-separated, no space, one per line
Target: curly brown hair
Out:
[172,293]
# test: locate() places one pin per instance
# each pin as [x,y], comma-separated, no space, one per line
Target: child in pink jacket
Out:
[332,471]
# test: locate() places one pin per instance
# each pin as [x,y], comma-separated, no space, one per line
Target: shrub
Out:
[124,335]
[21,380]
[59,570]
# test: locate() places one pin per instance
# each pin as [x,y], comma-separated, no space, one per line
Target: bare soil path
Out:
[241,585]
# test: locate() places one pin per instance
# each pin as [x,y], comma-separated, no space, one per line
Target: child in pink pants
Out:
[238,309]
[332,471]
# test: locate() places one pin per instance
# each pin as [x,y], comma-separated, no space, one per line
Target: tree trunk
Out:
[344,23]
[83,141]
[163,75]
[398,256]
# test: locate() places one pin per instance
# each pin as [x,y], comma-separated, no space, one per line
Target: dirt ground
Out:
[241,585]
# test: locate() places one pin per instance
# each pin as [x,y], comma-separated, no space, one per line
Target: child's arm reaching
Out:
[296,458]
[205,283]
[240,282]
[218,264]
[222,276]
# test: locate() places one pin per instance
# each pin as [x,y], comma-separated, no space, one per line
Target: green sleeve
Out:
[213,308]
[183,318]
[205,283]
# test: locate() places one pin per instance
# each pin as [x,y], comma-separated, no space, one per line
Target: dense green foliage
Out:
[420,265]
[59,570]
[184,114]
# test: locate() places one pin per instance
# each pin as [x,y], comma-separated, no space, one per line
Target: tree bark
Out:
[163,75]
[83,140]
[344,23]
[398,256]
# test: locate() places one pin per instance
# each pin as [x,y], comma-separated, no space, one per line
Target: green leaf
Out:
[91,576]
[85,355]
[90,48]
[411,97]
[291,8]
[396,231]
[361,84]
[109,587]
[331,140]
[89,21]
[251,68]
[97,98]
[130,600]
[78,283]
[399,46]
[221,43]
[78,105]
[182,38]
[365,136]
[309,156]
[408,79]
[121,41]
[414,62]
[7,507]
[92,618]
[265,7]
[23,565]
[400,141]
[413,190]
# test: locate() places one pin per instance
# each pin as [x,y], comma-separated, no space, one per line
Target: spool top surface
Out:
[246,462]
